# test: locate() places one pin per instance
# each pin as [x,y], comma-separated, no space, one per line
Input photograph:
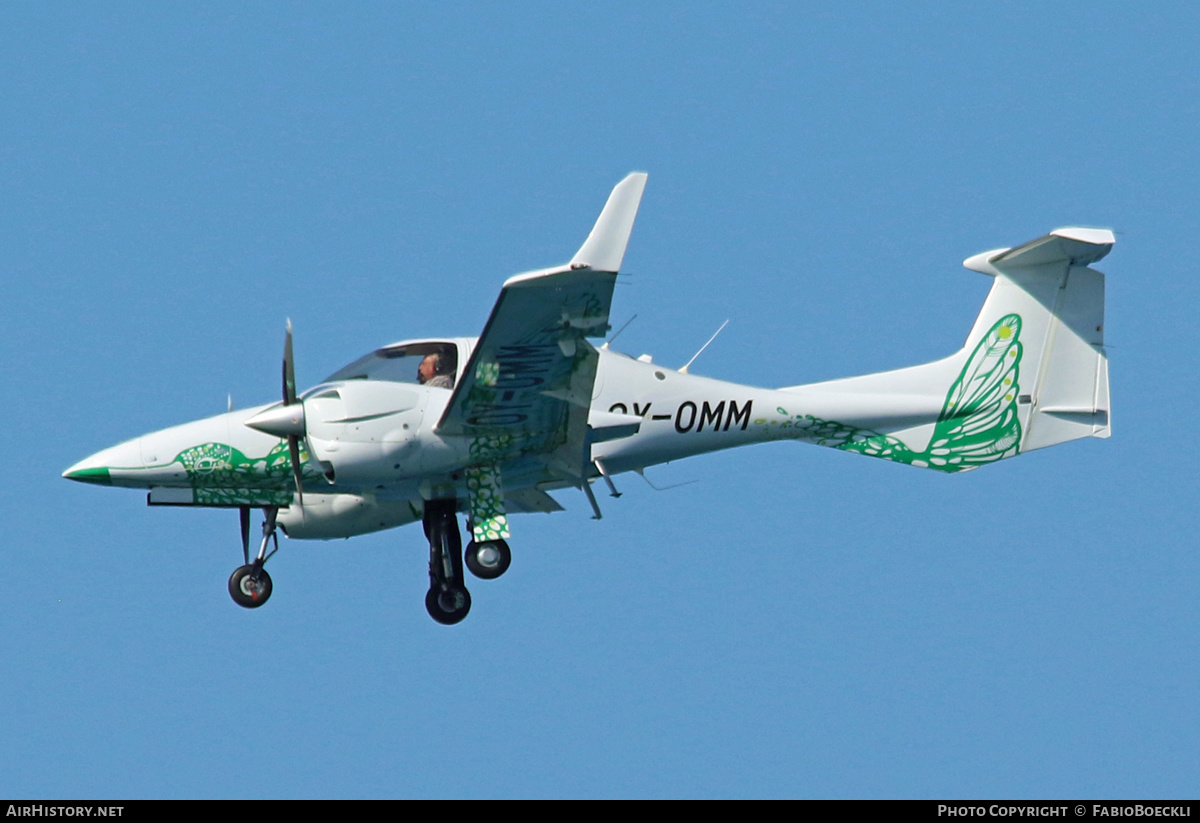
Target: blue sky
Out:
[177,181]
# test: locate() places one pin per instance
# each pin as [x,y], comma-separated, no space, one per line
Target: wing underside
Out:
[526,390]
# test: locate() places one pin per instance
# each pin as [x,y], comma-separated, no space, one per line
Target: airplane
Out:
[425,430]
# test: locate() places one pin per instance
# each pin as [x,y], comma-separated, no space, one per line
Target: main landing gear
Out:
[488,559]
[250,585]
[448,600]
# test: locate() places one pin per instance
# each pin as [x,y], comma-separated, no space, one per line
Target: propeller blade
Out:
[286,422]
[289,369]
[297,473]
[244,517]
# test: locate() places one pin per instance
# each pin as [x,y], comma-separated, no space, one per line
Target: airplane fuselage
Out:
[428,429]
[379,439]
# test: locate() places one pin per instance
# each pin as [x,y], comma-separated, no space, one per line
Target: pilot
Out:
[435,371]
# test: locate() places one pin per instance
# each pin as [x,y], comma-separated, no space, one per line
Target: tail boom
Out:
[1033,372]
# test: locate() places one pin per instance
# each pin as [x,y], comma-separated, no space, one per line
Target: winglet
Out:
[605,245]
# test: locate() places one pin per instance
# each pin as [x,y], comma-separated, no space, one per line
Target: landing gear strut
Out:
[250,585]
[448,600]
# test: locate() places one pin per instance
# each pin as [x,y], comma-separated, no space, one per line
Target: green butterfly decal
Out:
[978,423]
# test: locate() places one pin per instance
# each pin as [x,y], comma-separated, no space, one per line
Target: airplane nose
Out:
[97,468]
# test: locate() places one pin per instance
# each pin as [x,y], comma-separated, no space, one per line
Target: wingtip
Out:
[605,246]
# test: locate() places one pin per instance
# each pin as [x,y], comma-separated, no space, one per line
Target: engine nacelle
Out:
[332,516]
[365,430]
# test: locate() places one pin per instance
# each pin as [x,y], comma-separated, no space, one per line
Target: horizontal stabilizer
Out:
[604,248]
[1073,246]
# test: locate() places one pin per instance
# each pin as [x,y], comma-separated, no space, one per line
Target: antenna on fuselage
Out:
[618,334]
[684,370]
[642,474]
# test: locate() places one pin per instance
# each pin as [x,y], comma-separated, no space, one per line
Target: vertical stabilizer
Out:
[1063,384]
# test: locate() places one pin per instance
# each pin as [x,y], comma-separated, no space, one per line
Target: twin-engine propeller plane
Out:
[427,429]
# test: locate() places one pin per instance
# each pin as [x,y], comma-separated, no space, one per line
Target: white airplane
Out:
[422,430]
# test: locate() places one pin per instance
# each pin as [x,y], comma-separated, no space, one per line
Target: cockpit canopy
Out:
[429,363]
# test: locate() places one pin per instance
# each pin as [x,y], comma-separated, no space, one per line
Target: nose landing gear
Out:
[250,585]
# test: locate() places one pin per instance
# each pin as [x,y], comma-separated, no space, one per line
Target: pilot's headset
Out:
[441,364]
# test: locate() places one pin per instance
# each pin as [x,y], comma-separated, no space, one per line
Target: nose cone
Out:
[98,468]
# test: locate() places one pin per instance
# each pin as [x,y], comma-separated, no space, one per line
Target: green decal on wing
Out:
[488,520]
[978,423]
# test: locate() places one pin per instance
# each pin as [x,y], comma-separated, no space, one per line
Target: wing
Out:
[528,385]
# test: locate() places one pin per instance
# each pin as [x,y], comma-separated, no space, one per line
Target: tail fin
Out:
[1033,372]
[1046,283]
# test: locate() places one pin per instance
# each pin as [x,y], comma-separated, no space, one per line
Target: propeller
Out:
[289,399]
[286,420]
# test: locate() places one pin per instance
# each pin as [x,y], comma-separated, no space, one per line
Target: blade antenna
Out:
[642,474]
[684,370]
[618,334]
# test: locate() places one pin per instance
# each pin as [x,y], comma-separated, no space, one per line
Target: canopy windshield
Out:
[433,363]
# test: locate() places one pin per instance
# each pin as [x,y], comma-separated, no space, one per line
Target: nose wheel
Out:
[250,585]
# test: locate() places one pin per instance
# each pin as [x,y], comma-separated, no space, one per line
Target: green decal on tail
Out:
[978,423]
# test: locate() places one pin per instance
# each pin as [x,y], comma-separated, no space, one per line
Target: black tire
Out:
[448,604]
[247,591]
[489,559]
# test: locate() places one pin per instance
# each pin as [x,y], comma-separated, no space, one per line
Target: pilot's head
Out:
[430,366]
